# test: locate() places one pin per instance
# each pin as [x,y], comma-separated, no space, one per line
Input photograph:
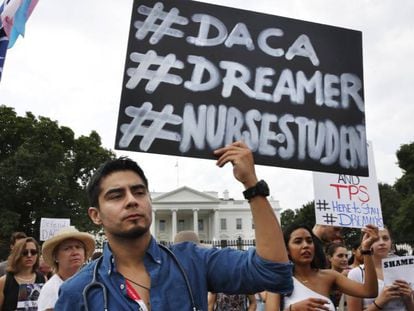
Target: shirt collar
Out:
[153,252]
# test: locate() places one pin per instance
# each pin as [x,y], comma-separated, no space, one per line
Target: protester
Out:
[44,268]
[397,296]
[187,236]
[136,272]
[312,285]
[337,255]
[227,302]
[13,239]
[66,252]
[325,235]
[20,287]
[356,258]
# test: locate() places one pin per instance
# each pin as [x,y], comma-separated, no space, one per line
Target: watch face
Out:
[262,188]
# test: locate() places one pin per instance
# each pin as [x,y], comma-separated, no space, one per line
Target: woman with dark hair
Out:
[22,266]
[312,284]
[356,258]
[337,256]
[397,296]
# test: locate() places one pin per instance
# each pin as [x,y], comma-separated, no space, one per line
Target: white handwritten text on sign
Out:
[199,76]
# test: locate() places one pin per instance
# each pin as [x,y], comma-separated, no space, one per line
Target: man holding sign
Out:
[137,273]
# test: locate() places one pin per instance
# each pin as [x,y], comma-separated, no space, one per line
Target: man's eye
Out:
[114,196]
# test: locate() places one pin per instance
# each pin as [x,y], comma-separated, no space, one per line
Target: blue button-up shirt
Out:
[208,269]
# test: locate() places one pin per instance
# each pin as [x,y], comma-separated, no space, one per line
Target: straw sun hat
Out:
[64,234]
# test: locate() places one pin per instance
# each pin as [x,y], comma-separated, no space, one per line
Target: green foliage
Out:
[287,217]
[403,219]
[303,216]
[43,172]
[390,202]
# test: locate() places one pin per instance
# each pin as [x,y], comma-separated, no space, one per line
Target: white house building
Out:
[213,218]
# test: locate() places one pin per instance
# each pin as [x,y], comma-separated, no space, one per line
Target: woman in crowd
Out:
[337,256]
[312,285]
[22,274]
[66,252]
[356,258]
[397,296]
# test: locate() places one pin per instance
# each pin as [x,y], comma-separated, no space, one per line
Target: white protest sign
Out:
[49,226]
[346,200]
[398,268]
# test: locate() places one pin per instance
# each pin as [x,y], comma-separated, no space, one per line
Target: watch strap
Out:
[260,189]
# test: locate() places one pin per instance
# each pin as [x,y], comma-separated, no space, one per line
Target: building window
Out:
[252,224]
[161,226]
[238,223]
[180,225]
[200,225]
[223,224]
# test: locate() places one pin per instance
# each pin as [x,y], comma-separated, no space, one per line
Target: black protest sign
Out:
[200,76]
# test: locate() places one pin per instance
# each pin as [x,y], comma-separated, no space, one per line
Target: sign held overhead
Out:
[200,76]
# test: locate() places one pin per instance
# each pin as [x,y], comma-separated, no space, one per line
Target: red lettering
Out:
[338,191]
[364,190]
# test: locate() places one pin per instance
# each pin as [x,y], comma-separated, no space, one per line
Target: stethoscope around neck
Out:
[96,284]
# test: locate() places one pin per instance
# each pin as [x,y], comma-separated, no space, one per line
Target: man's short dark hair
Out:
[121,164]
[17,236]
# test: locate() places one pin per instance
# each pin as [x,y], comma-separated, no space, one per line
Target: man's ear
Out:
[94,215]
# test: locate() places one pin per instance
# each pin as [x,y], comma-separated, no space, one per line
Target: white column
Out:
[153,224]
[195,220]
[173,224]
[216,224]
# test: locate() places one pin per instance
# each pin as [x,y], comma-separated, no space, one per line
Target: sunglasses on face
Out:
[32,252]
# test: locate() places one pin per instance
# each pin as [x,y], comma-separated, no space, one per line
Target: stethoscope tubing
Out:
[96,283]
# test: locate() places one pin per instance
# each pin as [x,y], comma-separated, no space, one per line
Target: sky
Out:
[70,64]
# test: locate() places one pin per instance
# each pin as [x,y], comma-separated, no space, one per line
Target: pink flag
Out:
[14,17]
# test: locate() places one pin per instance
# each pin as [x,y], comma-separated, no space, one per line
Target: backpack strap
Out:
[362,273]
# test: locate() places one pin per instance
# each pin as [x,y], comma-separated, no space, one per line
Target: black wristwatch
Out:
[367,252]
[261,189]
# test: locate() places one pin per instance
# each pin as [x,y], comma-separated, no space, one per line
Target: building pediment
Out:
[185,195]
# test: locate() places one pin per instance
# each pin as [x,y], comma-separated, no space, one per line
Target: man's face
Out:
[331,234]
[124,206]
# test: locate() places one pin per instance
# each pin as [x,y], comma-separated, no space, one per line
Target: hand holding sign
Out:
[398,280]
[387,294]
[242,159]
[370,236]
[404,289]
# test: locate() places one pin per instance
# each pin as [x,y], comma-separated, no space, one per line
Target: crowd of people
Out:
[295,269]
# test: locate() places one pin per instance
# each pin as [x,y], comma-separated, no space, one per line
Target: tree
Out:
[287,217]
[43,172]
[390,203]
[404,216]
[303,216]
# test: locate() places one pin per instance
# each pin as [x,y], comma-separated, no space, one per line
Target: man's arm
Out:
[269,237]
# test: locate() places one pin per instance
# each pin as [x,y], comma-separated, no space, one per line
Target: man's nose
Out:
[131,199]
